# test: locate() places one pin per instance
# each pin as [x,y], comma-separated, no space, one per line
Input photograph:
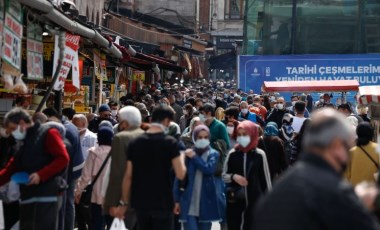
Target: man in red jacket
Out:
[44,157]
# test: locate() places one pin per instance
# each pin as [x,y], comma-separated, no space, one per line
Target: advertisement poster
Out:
[138,76]
[254,70]
[100,65]
[70,55]
[12,34]
[35,52]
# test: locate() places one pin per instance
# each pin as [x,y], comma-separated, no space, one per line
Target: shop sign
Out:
[100,69]
[187,43]
[226,42]
[12,35]
[138,76]
[70,56]
[35,52]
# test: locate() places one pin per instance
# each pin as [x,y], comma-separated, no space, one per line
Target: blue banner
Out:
[254,70]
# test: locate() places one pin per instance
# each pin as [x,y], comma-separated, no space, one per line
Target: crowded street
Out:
[189,115]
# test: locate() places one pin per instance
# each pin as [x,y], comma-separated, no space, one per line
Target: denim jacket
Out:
[210,208]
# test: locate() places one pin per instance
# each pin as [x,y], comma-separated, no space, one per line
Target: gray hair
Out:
[132,115]
[326,126]
[81,117]
[16,115]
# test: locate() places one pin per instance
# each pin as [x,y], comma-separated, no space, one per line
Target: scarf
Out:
[271,129]
[253,131]
[196,132]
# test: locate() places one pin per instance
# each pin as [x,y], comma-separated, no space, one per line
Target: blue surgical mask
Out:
[202,143]
[244,141]
[18,135]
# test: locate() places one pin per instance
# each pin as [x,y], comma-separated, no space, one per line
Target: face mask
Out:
[202,117]
[18,135]
[202,143]
[272,98]
[230,130]
[114,113]
[214,97]
[244,111]
[185,112]
[244,141]
[280,106]
[294,103]
[321,100]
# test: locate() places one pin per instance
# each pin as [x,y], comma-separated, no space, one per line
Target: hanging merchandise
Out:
[12,36]
[2,9]
[35,51]
[70,56]
[100,65]
[138,76]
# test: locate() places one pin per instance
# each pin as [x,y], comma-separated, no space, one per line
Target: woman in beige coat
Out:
[365,160]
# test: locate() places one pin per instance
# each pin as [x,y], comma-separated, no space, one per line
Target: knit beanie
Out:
[105,135]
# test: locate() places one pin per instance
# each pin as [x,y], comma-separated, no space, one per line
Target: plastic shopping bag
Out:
[118,224]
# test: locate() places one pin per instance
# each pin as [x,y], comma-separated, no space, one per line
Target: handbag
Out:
[85,199]
[237,194]
[376,174]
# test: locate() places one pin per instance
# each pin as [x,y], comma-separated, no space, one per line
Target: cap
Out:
[104,108]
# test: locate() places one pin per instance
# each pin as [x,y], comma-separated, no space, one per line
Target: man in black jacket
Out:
[313,195]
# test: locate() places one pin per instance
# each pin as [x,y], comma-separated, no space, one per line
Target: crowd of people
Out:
[184,157]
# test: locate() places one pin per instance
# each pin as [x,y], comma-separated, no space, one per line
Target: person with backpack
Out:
[93,171]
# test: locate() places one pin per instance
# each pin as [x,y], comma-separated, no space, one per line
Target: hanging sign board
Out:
[70,55]
[2,10]
[138,76]
[12,34]
[35,52]
[100,69]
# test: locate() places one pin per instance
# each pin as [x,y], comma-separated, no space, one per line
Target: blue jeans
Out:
[193,224]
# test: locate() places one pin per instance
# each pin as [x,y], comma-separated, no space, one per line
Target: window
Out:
[233,9]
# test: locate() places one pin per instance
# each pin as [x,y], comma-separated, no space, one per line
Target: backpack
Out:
[220,146]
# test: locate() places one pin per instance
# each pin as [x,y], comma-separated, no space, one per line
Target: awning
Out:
[369,94]
[224,61]
[311,86]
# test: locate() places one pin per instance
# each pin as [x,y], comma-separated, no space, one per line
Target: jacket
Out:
[210,209]
[361,167]
[312,195]
[94,161]
[119,155]
[76,158]
[273,147]
[253,166]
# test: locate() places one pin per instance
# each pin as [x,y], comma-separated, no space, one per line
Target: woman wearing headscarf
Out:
[196,198]
[231,130]
[297,142]
[247,177]
[364,158]
[273,147]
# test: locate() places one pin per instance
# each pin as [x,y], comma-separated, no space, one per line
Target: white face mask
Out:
[280,106]
[230,130]
[202,143]
[18,135]
[202,117]
[272,98]
[294,103]
[244,111]
[114,113]
[321,100]
[185,112]
[244,141]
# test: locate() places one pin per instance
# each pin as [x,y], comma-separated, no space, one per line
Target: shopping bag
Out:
[118,224]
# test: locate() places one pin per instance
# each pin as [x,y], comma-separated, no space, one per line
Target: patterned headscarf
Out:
[271,129]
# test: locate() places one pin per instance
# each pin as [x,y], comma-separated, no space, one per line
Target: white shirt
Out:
[297,123]
[88,140]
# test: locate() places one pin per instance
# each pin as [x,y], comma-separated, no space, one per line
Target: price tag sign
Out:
[138,76]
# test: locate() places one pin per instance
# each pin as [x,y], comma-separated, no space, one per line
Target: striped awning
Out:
[369,94]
